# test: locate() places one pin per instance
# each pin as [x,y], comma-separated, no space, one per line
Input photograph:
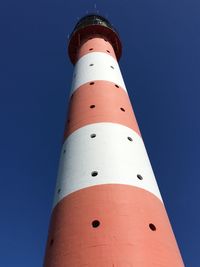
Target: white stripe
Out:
[101,70]
[116,159]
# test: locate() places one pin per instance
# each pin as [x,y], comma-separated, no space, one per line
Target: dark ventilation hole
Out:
[95,223]
[51,242]
[93,135]
[129,138]
[90,49]
[139,177]
[152,227]
[112,67]
[92,64]
[116,85]
[108,51]
[92,106]
[122,109]
[58,190]
[94,173]
[91,83]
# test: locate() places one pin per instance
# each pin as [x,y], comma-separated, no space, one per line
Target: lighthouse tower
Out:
[107,211]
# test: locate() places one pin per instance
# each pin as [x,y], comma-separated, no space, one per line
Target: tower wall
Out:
[107,209]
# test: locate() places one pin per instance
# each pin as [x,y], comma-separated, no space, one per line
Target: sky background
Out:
[160,66]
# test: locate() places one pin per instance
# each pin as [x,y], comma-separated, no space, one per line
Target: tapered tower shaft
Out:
[108,211]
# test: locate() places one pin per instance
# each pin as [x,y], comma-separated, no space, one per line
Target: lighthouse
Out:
[107,210]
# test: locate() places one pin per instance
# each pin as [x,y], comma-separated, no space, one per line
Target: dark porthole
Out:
[116,85]
[122,109]
[129,138]
[108,51]
[91,83]
[95,223]
[152,227]
[94,173]
[112,67]
[51,242]
[139,177]
[92,106]
[58,190]
[91,64]
[90,49]
[93,135]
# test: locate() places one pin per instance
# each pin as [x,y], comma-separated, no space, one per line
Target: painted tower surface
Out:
[108,211]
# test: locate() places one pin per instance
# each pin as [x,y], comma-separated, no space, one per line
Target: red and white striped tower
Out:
[108,211]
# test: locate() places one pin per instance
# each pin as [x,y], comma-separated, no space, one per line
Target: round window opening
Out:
[139,177]
[95,223]
[58,190]
[94,173]
[51,242]
[152,227]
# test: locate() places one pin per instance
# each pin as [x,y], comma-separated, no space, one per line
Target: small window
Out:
[94,173]
[112,67]
[130,139]
[139,177]
[95,223]
[91,64]
[116,85]
[51,242]
[122,109]
[92,83]
[93,135]
[90,49]
[152,227]
[108,51]
[92,106]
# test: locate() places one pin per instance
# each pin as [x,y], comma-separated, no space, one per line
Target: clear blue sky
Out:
[160,65]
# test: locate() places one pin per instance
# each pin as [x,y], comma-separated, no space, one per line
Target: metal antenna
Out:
[95,7]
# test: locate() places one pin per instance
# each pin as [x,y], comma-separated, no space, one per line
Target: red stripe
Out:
[134,230]
[96,45]
[100,102]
